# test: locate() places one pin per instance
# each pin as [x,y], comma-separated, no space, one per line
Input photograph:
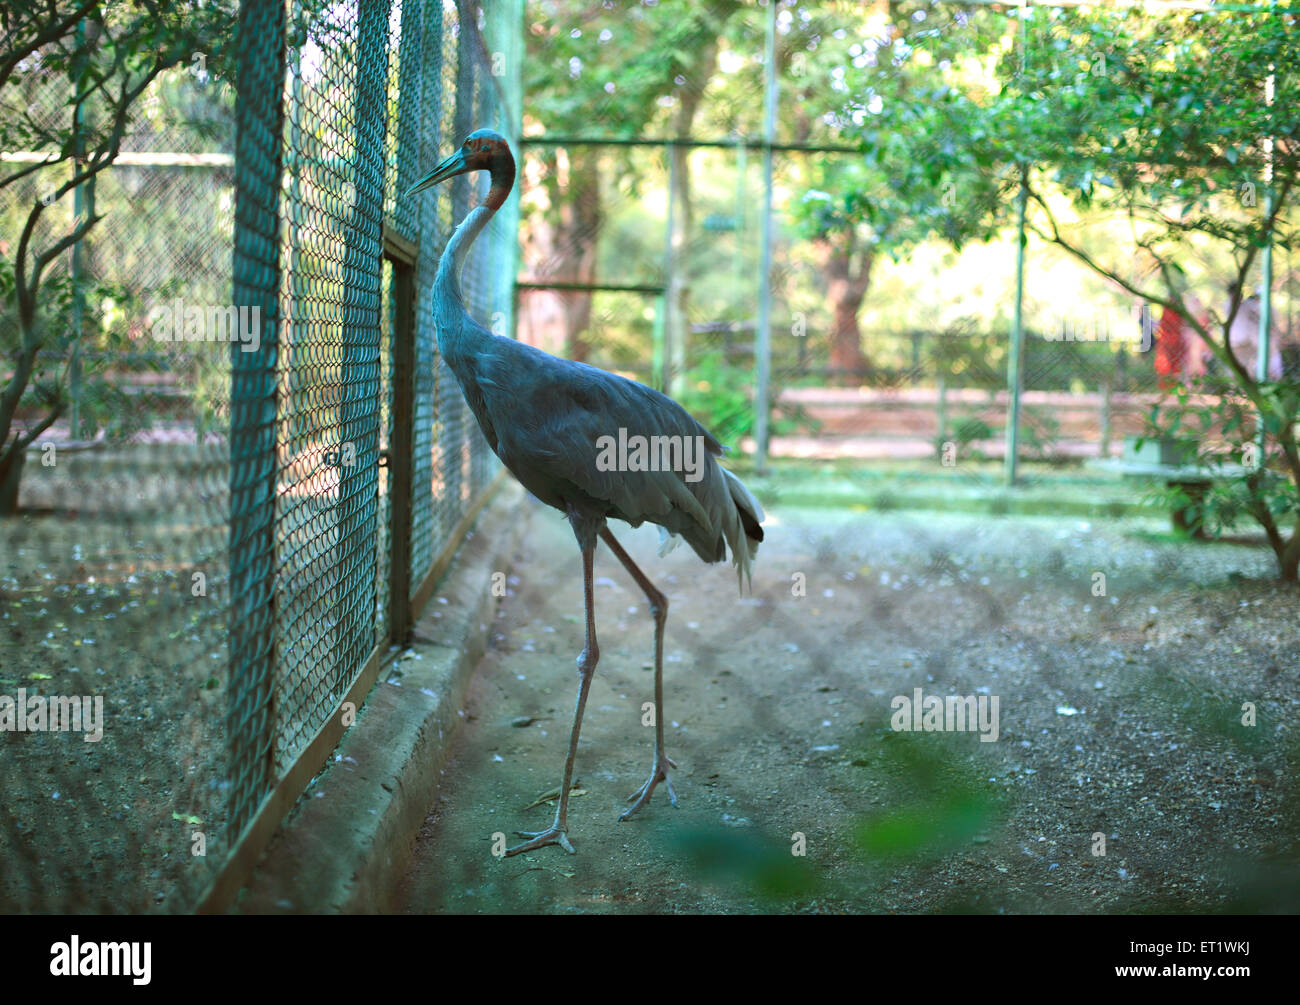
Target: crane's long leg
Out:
[586,668]
[659,609]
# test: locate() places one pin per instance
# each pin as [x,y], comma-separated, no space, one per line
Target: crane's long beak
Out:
[453,165]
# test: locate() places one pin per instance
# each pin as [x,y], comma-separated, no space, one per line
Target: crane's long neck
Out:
[454,334]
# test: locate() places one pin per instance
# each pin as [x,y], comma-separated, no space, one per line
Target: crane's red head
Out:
[483,150]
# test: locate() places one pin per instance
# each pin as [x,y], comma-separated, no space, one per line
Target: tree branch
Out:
[102,157]
[52,33]
[1248,384]
[24,441]
[1259,509]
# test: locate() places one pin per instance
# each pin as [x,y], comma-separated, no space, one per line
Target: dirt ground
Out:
[1122,779]
[96,607]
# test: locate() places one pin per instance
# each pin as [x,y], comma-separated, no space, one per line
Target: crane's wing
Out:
[572,432]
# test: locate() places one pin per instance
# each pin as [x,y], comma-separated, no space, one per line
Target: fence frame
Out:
[253,544]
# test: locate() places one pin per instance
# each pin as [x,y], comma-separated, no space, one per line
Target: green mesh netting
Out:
[220,536]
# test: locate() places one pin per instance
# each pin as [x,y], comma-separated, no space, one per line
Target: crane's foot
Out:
[540,839]
[659,773]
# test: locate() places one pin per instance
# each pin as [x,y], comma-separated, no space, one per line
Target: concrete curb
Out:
[350,836]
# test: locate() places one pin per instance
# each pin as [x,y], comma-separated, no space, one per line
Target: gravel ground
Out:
[101,608]
[1122,779]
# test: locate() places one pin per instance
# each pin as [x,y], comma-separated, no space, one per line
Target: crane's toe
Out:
[659,773]
[540,839]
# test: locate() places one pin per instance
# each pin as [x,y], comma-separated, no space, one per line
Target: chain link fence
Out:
[265,461]
[922,389]
[931,333]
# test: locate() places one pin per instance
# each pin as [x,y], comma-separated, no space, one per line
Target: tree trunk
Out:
[13,449]
[11,473]
[1288,558]
[847,358]
[848,272]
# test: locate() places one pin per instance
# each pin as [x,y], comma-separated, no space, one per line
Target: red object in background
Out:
[1171,348]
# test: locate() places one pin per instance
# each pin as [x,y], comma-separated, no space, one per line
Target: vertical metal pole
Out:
[1106,388]
[83,206]
[763,350]
[941,409]
[289,329]
[457,426]
[1266,259]
[1265,299]
[1017,334]
[502,37]
[667,315]
[83,203]
[430,378]
[742,178]
[357,511]
[658,375]
[259,150]
[1266,271]
[403,355]
[401,451]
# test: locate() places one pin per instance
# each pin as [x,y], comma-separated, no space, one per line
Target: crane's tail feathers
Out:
[744,532]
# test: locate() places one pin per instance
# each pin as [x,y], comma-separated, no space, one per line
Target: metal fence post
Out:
[1017,335]
[358,499]
[401,463]
[666,318]
[1106,389]
[763,348]
[83,207]
[1265,347]
[258,167]
[403,257]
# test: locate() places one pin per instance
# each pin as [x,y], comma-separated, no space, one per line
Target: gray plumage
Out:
[546,418]
[543,416]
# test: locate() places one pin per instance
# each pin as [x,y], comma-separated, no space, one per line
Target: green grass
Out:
[967,488]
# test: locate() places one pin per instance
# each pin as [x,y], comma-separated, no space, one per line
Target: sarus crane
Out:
[552,422]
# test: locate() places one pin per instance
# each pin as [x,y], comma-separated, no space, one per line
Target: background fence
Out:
[646,249]
[231,534]
[935,327]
